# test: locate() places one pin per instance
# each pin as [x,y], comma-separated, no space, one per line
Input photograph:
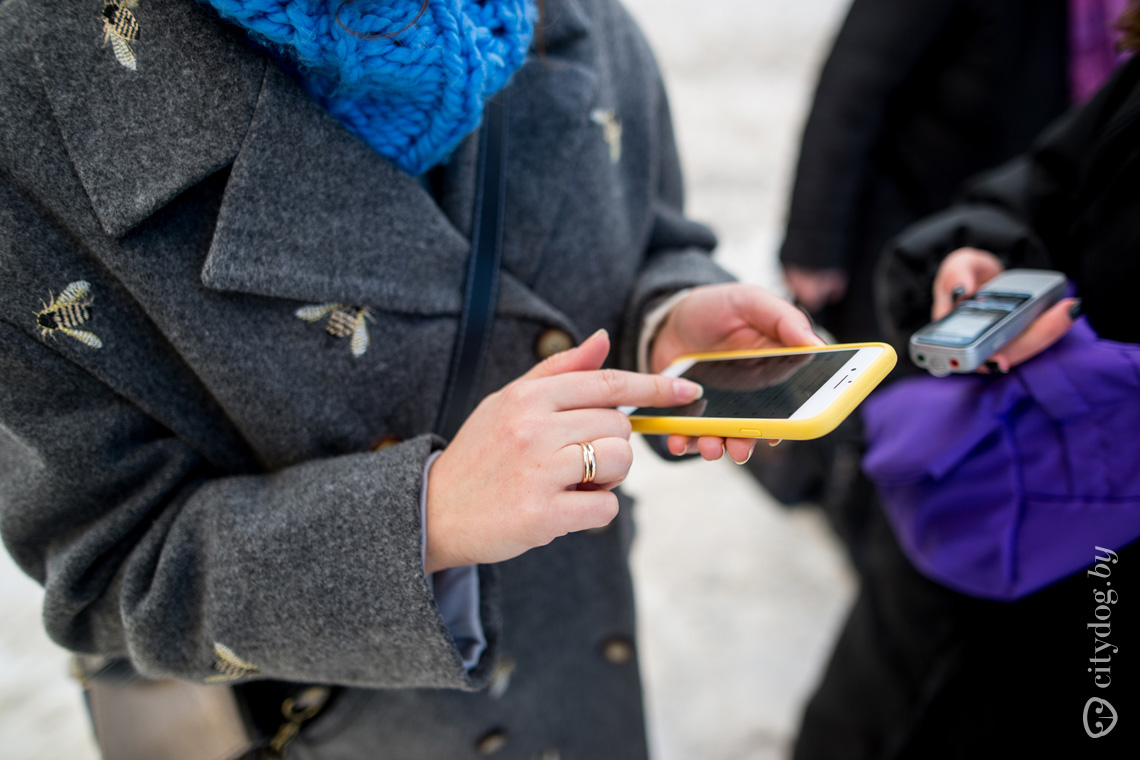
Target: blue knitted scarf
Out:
[412,96]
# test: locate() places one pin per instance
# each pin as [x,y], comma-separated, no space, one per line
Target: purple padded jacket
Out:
[998,486]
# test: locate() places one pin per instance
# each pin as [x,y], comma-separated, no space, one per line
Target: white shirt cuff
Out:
[652,324]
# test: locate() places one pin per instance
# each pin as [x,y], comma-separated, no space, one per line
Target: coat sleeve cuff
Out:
[318,576]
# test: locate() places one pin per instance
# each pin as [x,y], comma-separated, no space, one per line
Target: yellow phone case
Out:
[812,427]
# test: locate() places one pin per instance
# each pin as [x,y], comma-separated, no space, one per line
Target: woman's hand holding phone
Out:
[511,480]
[967,269]
[727,317]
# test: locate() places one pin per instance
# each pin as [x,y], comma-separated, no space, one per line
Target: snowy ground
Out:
[739,599]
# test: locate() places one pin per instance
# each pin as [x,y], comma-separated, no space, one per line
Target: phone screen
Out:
[760,387]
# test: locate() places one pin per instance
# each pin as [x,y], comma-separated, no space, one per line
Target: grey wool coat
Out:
[185,464]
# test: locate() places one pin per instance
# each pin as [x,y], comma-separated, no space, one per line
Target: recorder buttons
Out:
[750,433]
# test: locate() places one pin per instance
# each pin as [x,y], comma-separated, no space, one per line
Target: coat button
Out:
[501,678]
[552,341]
[617,650]
[385,441]
[491,742]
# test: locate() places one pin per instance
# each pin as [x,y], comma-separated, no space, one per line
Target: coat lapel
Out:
[551,102]
[137,138]
[563,22]
[313,214]
[310,213]
[551,99]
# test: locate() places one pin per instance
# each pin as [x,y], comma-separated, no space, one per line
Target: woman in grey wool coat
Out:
[225,328]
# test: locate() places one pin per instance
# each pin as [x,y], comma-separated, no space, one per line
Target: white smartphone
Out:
[977,328]
[797,393]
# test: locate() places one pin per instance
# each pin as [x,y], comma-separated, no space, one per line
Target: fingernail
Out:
[747,456]
[1076,309]
[775,442]
[687,390]
[595,336]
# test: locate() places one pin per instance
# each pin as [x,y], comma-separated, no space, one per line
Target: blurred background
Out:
[740,598]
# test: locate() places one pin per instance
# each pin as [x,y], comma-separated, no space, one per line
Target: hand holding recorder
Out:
[968,272]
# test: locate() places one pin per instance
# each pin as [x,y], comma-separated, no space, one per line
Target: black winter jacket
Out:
[915,97]
[1072,204]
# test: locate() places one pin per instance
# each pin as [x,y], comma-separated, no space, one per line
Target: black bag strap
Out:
[482,290]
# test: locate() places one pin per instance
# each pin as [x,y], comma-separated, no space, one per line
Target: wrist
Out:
[436,555]
[664,349]
[660,344]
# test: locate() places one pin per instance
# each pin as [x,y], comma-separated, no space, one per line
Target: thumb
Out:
[590,355]
[947,293]
[962,273]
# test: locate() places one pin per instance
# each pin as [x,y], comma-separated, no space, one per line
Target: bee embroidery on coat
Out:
[66,313]
[611,130]
[229,665]
[120,28]
[343,322]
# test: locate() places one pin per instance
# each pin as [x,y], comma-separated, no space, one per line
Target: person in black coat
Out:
[921,671]
[915,97]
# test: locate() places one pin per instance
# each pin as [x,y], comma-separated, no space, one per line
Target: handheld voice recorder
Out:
[981,325]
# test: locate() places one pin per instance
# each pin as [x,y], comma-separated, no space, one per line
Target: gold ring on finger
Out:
[589,463]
